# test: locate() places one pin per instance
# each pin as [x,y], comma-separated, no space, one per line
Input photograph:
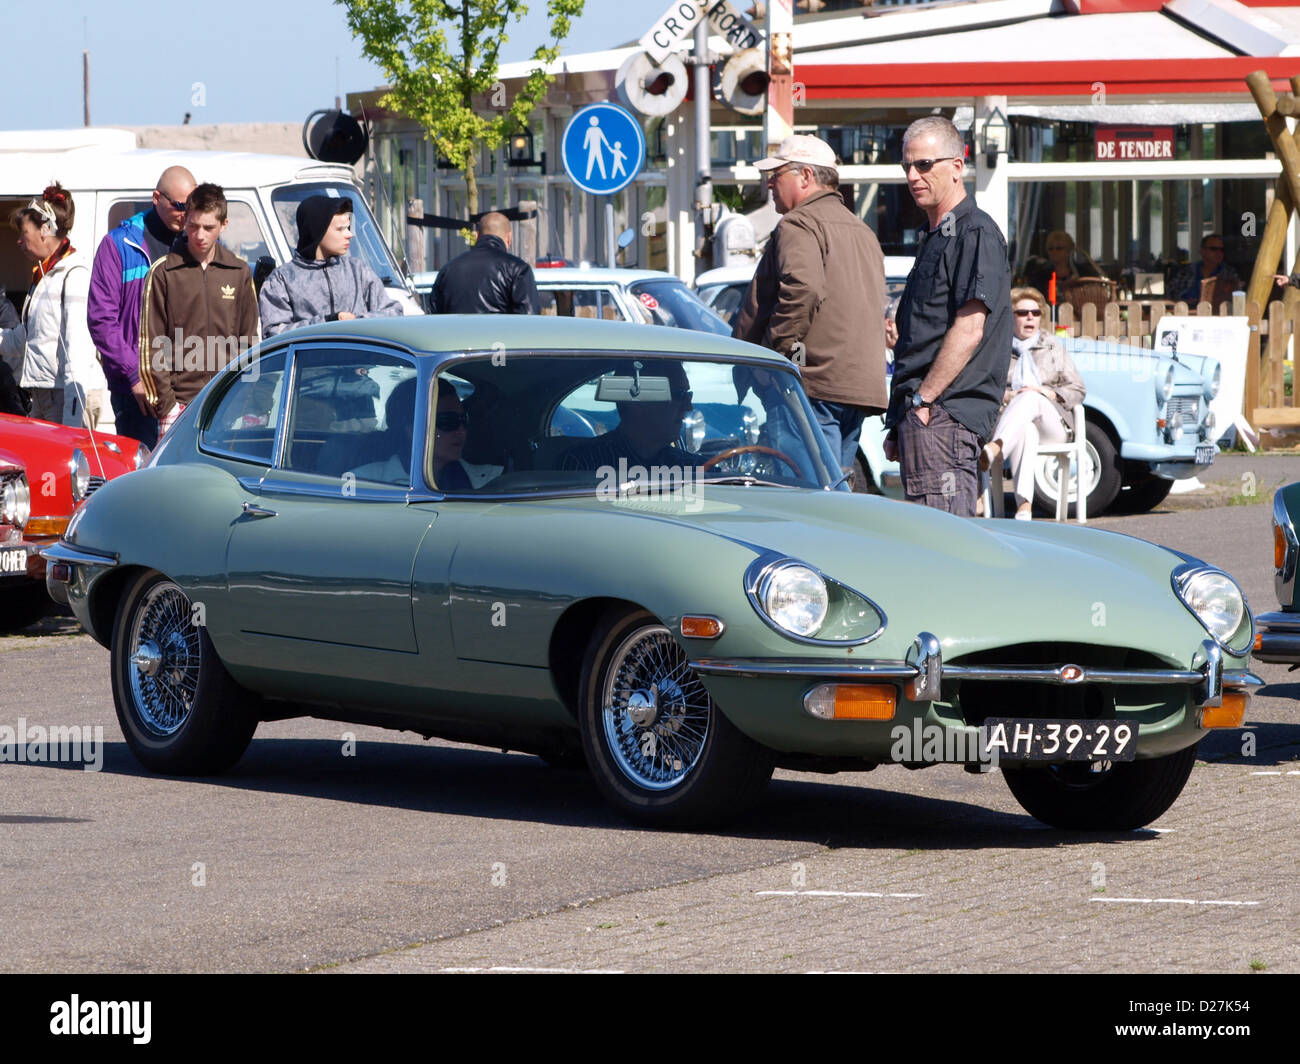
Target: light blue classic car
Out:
[495,530]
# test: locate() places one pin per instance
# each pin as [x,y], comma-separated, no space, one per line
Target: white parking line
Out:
[1266,773]
[1171,901]
[536,971]
[834,894]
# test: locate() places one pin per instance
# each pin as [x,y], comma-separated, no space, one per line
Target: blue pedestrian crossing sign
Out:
[603,148]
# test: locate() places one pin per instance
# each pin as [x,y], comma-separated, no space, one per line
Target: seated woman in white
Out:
[1043,387]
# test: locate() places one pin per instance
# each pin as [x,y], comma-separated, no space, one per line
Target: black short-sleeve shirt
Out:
[963,258]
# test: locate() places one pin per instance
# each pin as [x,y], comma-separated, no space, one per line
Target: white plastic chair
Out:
[1075,451]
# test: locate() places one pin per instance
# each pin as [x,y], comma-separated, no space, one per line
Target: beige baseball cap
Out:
[800,148]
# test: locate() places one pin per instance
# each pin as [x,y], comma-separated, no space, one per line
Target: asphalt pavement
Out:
[396,855]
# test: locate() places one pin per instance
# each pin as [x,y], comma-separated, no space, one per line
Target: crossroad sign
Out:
[683,16]
[603,148]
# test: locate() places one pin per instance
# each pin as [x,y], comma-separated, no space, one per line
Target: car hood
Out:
[54,443]
[974,583]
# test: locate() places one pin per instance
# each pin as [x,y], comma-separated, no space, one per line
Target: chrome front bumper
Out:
[1277,638]
[924,670]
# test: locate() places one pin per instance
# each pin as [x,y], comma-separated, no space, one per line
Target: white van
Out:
[111,179]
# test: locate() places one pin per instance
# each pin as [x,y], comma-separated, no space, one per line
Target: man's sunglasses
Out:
[924,166]
[176,205]
[450,421]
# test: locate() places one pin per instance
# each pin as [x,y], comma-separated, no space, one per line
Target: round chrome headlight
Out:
[1165,384]
[1215,599]
[794,597]
[141,456]
[80,470]
[16,502]
[1212,385]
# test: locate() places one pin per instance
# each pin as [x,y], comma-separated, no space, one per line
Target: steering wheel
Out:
[754,449]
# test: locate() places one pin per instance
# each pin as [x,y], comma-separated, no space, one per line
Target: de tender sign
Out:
[603,148]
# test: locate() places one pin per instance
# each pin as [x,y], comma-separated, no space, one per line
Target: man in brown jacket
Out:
[199,311]
[818,295]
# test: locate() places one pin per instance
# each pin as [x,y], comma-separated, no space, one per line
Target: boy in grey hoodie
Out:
[322,282]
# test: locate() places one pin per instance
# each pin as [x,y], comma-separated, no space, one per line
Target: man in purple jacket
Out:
[117,291]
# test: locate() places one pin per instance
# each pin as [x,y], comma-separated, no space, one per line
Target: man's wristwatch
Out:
[918,402]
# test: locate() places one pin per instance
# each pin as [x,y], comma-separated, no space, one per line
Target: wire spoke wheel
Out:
[656,712]
[165,655]
[657,745]
[179,709]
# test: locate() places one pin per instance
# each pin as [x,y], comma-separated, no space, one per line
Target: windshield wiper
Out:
[748,479]
[842,479]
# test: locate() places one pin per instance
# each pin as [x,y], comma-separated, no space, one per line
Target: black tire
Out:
[22,606]
[678,762]
[1103,455]
[179,709]
[1143,496]
[1121,796]
[863,482]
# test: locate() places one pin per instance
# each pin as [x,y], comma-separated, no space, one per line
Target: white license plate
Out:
[13,561]
[1205,453]
[1021,739]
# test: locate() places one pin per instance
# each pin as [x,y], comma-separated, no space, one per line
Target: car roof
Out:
[599,275]
[448,333]
[896,266]
[29,158]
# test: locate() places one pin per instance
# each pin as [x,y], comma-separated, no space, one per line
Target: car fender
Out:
[185,542]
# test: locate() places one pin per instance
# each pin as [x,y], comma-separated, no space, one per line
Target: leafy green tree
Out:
[438,56]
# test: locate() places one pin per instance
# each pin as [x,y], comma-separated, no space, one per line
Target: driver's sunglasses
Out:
[924,166]
[451,421]
[176,205]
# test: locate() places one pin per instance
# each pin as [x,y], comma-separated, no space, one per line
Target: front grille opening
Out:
[977,700]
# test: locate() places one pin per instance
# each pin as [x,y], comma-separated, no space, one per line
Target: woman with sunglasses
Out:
[1043,387]
[50,350]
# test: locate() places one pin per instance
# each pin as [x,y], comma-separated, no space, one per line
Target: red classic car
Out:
[63,466]
[22,591]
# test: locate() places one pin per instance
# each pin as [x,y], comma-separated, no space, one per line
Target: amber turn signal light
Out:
[46,526]
[850,701]
[1232,714]
[1279,547]
[699,627]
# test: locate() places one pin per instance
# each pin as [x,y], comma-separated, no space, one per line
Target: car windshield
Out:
[618,424]
[670,302]
[367,243]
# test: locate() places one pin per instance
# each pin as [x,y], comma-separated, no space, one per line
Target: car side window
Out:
[351,412]
[245,418]
[581,303]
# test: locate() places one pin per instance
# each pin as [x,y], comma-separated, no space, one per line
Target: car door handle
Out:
[257,511]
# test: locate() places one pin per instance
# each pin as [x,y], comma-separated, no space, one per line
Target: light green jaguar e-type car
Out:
[520,532]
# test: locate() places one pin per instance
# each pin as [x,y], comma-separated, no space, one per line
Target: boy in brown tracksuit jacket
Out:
[199,311]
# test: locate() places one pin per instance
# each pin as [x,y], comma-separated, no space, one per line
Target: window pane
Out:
[352,411]
[245,419]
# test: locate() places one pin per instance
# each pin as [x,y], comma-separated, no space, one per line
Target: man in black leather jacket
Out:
[487,279]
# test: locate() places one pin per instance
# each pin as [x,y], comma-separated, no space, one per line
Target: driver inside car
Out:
[647,431]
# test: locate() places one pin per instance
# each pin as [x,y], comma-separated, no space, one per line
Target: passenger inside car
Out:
[450,430]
